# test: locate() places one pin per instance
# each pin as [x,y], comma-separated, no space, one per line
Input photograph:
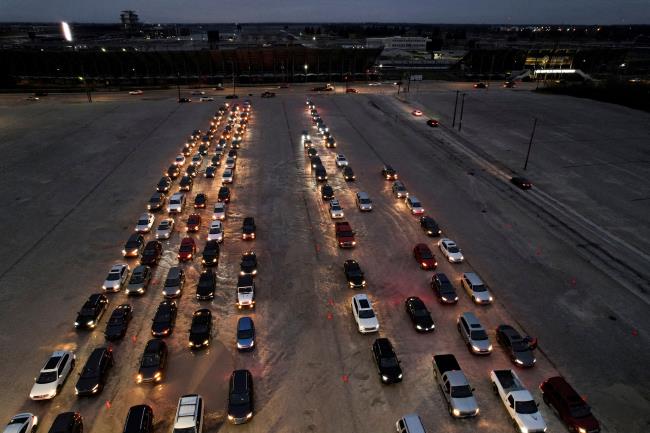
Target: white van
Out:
[189,415]
[410,423]
[176,203]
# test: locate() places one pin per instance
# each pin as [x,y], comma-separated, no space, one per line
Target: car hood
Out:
[526,357]
[245,297]
[465,404]
[159,327]
[247,267]
[239,410]
[245,342]
[198,337]
[482,296]
[369,323]
[356,279]
[533,421]
[588,423]
[112,284]
[424,322]
[113,331]
[148,372]
[391,372]
[43,389]
[86,384]
[82,319]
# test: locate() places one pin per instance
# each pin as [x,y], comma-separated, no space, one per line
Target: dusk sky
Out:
[424,11]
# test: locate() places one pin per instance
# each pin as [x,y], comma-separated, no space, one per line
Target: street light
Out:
[67,33]
[306,68]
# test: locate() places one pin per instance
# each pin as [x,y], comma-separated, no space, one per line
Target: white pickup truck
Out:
[518,401]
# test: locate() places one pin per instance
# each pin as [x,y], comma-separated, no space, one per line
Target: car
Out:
[184,100]
[216,160]
[206,99]
[67,422]
[424,257]
[475,288]
[197,92]
[330,142]
[133,246]
[219,211]
[152,253]
[245,334]
[473,334]
[433,123]
[186,183]
[388,366]
[248,265]
[189,415]
[22,423]
[327,88]
[363,201]
[156,202]
[336,211]
[139,281]
[32,98]
[348,174]
[414,205]
[162,324]
[315,161]
[509,84]
[570,407]
[305,135]
[200,201]
[480,85]
[518,349]
[341,160]
[248,228]
[268,94]
[311,152]
[450,250]
[95,372]
[53,375]
[240,397]
[164,184]
[153,362]
[215,233]
[165,228]
[139,419]
[207,285]
[245,291]
[307,143]
[187,149]
[363,314]
[116,278]
[228,176]
[430,226]
[210,172]
[197,159]
[224,194]
[443,289]
[320,174]
[230,162]
[180,159]
[389,173]
[210,254]
[176,203]
[416,113]
[322,128]
[173,171]
[174,282]
[91,311]
[326,192]
[193,223]
[118,322]
[200,329]
[351,90]
[399,190]
[353,274]
[187,250]
[196,134]
[521,182]
[419,314]
[232,153]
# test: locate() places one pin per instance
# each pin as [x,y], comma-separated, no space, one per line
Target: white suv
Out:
[363,314]
[216,231]
[219,211]
[189,415]
[450,250]
[53,375]
[336,211]
[176,203]
[116,278]
[145,222]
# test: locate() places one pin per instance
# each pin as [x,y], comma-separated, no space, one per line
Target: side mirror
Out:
[473,389]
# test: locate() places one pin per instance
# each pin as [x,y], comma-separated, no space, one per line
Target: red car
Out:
[570,407]
[424,257]
[433,123]
[193,223]
[351,91]
[187,249]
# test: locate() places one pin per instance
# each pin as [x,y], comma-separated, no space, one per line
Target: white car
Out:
[165,229]
[53,375]
[450,250]
[219,211]
[227,176]
[206,99]
[136,92]
[216,231]
[116,278]
[22,423]
[145,222]
[176,203]
[197,159]
[414,205]
[180,159]
[230,162]
[336,211]
[363,314]
[341,160]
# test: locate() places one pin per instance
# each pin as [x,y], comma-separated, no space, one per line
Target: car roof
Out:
[471,320]
[239,380]
[566,390]
[473,278]
[174,271]
[384,345]
[244,323]
[187,240]
[154,345]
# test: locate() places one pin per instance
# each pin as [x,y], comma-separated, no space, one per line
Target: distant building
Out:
[130,21]
[408,43]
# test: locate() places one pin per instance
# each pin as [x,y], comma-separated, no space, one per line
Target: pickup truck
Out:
[454,386]
[518,401]
[344,234]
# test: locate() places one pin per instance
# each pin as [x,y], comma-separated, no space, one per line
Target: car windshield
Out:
[461,391]
[237,398]
[366,314]
[425,254]
[155,199]
[136,278]
[186,248]
[215,230]
[163,225]
[112,276]
[199,328]
[478,335]
[453,249]
[245,333]
[526,407]
[174,201]
[245,290]
[479,288]
[172,282]
[581,411]
[416,204]
[520,346]
[336,207]
[150,360]
[365,201]
[87,311]
[47,377]
[162,317]
[421,313]
[345,234]
[389,362]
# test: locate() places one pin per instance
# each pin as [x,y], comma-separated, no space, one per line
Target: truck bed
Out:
[446,363]
[507,380]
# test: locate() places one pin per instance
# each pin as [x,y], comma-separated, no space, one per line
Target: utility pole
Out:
[178,85]
[530,143]
[233,78]
[462,108]
[453,123]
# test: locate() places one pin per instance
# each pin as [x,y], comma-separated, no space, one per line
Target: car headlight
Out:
[519,361]
[354,242]
[90,323]
[206,341]
[582,430]
[249,415]
[418,326]
[491,298]
[230,417]
[489,348]
[524,429]
[178,291]
[399,376]
[123,252]
[476,348]
[456,412]
[140,290]
[76,323]
[363,282]
[157,376]
[384,378]
[138,378]
[95,388]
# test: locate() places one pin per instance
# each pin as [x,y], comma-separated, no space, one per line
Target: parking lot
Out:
[78,175]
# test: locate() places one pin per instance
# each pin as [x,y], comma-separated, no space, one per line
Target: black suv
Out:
[163,321]
[186,183]
[444,289]
[139,419]
[354,274]
[348,174]
[118,322]
[67,422]
[210,253]
[327,192]
[388,173]
[224,194]
[94,374]
[156,202]
[164,184]
[248,228]
[386,360]
[151,253]
[519,349]
[429,226]
[91,311]
[153,362]
[173,171]
[206,286]
[420,316]
[240,397]
[248,265]
[200,201]
[320,174]
[133,246]
[201,329]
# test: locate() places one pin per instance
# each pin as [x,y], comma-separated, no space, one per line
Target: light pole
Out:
[530,143]
[462,108]
[306,69]
[178,85]
[232,63]
[453,123]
